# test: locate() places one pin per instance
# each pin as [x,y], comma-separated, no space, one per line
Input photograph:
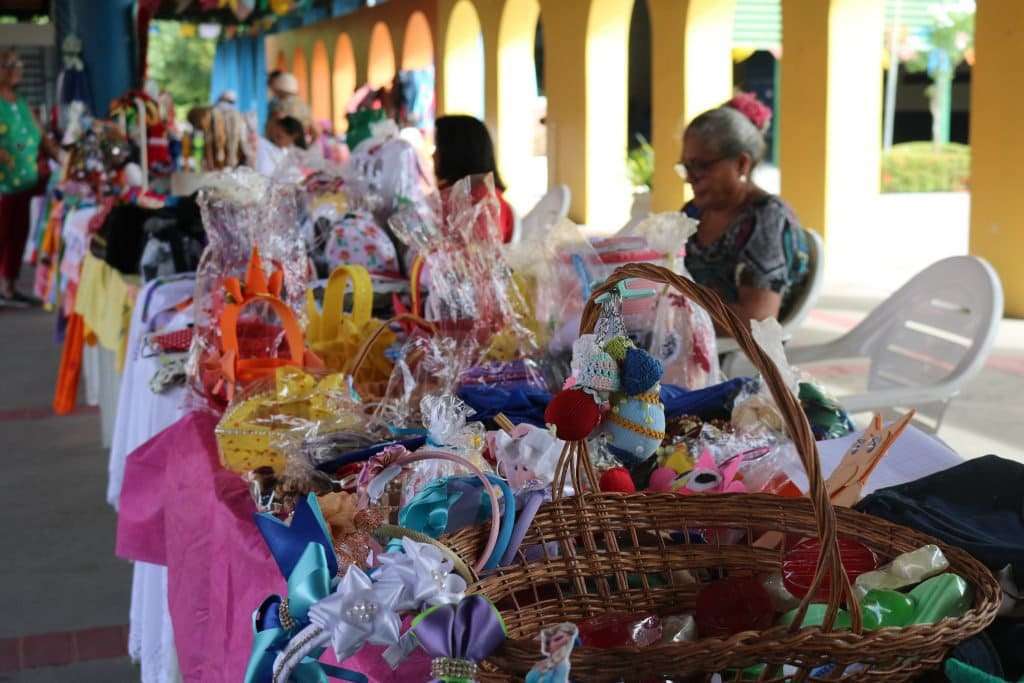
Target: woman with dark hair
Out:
[749,246]
[463,148]
[290,131]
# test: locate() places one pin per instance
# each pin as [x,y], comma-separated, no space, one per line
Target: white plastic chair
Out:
[924,342]
[552,207]
[799,308]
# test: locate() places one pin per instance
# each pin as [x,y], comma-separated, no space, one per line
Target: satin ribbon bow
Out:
[287,542]
[275,621]
[459,636]
[359,611]
[423,574]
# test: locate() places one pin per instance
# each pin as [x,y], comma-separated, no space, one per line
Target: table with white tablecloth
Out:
[141,414]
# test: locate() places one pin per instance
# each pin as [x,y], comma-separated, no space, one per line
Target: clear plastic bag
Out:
[446,419]
[671,328]
[243,211]
[472,294]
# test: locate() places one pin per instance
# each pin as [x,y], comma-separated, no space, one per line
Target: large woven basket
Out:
[606,552]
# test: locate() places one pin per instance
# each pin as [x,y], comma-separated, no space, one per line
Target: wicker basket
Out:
[616,552]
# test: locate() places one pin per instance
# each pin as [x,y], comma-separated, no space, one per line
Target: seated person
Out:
[749,246]
[464,148]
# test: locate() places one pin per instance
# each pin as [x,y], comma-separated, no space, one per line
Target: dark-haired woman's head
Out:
[463,148]
[288,131]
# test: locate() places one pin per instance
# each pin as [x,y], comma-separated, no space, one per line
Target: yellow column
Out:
[516,87]
[830,119]
[565,42]
[691,42]
[997,145]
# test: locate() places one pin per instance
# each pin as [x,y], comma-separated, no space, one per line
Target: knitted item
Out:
[574,414]
[593,368]
[640,372]
[617,347]
[617,480]
[636,426]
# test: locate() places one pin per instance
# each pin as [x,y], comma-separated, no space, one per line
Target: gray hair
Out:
[729,132]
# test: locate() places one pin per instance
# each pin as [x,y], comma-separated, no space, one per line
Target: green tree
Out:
[946,43]
[180,65]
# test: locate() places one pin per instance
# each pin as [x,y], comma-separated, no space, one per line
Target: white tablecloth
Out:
[141,414]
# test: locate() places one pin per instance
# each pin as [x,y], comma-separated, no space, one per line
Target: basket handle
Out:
[364,350]
[792,414]
[334,299]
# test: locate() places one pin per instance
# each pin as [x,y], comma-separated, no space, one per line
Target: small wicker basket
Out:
[633,553]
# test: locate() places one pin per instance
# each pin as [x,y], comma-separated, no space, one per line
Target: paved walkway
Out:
[64,593]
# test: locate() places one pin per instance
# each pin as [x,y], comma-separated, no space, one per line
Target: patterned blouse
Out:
[764,248]
[19,137]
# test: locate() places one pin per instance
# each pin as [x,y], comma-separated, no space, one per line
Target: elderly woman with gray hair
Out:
[748,246]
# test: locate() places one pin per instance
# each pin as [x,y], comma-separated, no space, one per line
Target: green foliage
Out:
[181,66]
[640,163]
[947,41]
[924,167]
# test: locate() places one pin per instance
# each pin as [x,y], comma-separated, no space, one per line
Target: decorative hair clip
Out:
[458,637]
[424,574]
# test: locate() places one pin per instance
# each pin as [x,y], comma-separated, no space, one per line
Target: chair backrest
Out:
[552,207]
[805,299]
[938,327]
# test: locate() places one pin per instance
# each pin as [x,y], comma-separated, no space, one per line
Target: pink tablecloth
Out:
[180,508]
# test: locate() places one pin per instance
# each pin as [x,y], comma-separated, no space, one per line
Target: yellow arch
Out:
[320,70]
[464,62]
[517,86]
[607,60]
[301,72]
[418,44]
[343,79]
[381,60]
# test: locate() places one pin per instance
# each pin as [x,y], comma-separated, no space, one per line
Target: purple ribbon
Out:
[471,630]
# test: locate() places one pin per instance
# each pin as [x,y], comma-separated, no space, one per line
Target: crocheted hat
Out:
[593,368]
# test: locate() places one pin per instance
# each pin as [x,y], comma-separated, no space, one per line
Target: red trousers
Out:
[14,219]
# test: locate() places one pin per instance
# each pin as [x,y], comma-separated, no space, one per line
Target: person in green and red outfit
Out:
[20,139]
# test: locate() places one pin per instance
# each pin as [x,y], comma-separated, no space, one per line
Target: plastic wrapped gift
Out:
[472,294]
[243,211]
[262,426]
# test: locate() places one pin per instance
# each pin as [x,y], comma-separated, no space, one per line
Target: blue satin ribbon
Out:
[308,583]
[431,509]
[287,542]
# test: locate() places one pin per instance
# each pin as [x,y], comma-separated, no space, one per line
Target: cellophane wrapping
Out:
[241,211]
[472,295]
[681,333]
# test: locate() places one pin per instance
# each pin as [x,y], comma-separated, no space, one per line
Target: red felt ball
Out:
[573,413]
[617,480]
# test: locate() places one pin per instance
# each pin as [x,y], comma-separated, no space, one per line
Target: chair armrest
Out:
[900,396]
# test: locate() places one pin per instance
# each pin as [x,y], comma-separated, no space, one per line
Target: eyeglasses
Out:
[13,64]
[692,169]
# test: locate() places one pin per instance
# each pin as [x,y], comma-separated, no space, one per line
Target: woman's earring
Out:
[743,178]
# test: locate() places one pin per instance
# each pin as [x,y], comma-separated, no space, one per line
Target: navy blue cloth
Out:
[707,403]
[977,505]
[523,403]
